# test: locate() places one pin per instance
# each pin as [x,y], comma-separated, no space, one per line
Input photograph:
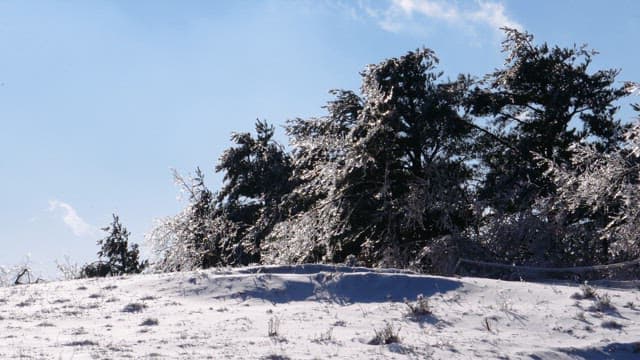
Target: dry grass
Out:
[385,336]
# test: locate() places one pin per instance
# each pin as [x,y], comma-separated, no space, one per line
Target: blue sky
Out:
[100,99]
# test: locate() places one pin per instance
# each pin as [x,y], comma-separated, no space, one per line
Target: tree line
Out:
[528,164]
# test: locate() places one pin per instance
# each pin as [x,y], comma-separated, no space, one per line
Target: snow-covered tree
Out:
[386,171]
[257,174]
[182,242]
[120,258]
[226,228]
[542,101]
[319,149]
[416,171]
[600,193]
[405,175]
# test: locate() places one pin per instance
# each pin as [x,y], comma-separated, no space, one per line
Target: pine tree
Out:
[544,100]
[120,257]
[319,146]
[257,175]
[384,173]
[542,103]
[404,182]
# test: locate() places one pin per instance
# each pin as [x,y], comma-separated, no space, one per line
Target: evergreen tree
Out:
[542,103]
[319,146]
[257,175]
[404,180]
[414,169]
[544,100]
[385,172]
[120,257]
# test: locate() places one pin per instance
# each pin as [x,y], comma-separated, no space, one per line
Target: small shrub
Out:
[134,307]
[324,337]
[274,327]
[603,303]
[419,308]
[81,343]
[611,324]
[79,331]
[630,305]
[71,313]
[69,269]
[150,322]
[385,336]
[586,292]
[588,328]
[25,303]
[275,357]
[96,269]
[580,316]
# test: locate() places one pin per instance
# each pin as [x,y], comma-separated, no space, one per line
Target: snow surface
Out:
[314,312]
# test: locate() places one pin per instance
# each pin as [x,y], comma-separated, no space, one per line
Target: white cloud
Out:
[429,8]
[70,217]
[401,15]
[493,15]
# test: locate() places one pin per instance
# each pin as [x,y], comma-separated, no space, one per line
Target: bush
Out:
[587,292]
[119,257]
[419,308]
[96,269]
[385,336]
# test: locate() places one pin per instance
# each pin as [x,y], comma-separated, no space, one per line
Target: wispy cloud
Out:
[70,217]
[400,15]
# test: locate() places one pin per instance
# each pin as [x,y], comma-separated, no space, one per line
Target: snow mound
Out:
[316,311]
[283,284]
[612,351]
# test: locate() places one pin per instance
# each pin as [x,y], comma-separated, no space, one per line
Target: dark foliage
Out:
[120,258]
[403,179]
[257,174]
[541,102]
[417,171]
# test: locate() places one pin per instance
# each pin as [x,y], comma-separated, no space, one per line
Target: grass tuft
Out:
[611,324]
[150,322]
[273,329]
[385,336]
[418,309]
[134,307]
[82,343]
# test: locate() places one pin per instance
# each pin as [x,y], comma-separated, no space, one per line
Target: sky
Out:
[99,100]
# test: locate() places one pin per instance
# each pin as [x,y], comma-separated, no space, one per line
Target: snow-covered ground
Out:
[315,312]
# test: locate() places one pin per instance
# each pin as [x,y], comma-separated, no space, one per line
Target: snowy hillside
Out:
[316,312]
